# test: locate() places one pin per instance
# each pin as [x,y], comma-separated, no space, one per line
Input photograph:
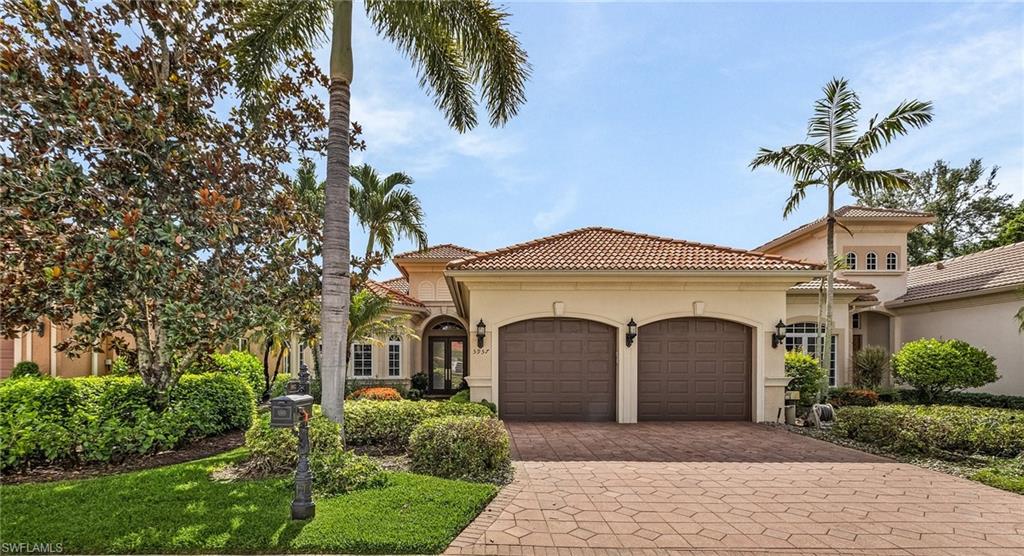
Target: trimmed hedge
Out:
[935,367]
[383,393]
[105,419]
[243,365]
[399,384]
[276,450]
[26,369]
[461,447]
[935,429]
[388,424]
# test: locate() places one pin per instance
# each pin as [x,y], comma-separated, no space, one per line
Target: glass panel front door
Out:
[447,364]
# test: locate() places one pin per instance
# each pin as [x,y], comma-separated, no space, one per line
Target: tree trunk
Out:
[830,265]
[266,364]
[277,366]
[336,254]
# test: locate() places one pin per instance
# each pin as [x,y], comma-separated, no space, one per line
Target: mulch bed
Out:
[197,450]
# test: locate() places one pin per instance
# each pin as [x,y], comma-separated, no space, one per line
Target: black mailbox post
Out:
[286,412]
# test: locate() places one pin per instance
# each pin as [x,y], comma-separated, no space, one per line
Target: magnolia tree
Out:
[137,198]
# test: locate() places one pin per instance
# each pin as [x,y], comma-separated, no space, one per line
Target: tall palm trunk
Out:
[336,254]
[830,266]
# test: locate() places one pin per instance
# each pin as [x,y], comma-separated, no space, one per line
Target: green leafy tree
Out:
[1010,228]
[935,367]
[456,46]
[964,201]
[836,158]
[135,196]
[387,210]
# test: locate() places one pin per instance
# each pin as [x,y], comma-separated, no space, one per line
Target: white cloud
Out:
[558,211]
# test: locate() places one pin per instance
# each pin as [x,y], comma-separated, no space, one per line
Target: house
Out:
[600,324]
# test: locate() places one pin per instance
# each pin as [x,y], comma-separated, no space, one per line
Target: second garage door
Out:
[695,369]
[556,370]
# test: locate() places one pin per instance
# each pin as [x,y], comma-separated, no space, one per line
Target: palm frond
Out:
[861,181]
[800,161]
[909,114]
[834,122]
[415,29]
[797,194]
[397,179]
[270,30]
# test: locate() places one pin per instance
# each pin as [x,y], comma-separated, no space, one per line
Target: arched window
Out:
[851,261]
[395,355]
[871,261]
[890,261]
[805,336]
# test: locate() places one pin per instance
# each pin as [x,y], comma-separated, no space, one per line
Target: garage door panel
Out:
[568,370]
[694,369]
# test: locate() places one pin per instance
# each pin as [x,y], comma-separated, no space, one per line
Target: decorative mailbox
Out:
[288,411]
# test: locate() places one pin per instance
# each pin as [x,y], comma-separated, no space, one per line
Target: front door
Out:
[447,364]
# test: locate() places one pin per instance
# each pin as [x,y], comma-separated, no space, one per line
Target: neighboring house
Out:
[972,298]
[599,324]
[40,346]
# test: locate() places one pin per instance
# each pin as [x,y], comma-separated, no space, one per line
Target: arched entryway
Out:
[556,369]
[444,342]
[694,369]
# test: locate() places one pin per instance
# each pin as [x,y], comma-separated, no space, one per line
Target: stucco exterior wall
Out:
[985,321]
[758,303]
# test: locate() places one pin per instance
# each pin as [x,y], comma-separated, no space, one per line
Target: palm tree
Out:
[836,157]
[388,211]
[455,45]
[370,323]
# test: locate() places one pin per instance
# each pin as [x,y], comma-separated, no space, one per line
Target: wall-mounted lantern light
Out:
[780,333]
[481,331]
[630,332]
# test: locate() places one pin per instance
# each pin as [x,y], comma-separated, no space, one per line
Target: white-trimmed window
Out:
[362,360]
[395,356]
[871,261]
[891,261]
[851,261]
[804,336]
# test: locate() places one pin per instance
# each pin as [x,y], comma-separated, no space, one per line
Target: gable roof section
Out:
[606,249]
[396,297]
[851,212]
[442,252]
[993,269]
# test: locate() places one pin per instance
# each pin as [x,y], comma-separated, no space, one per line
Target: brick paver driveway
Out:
[727,488]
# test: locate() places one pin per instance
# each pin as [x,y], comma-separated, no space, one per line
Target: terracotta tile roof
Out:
[977,272]
[590,249]
[866,299]
[851,212]
[444,251]
[841,284]
[394,295]
[400,284]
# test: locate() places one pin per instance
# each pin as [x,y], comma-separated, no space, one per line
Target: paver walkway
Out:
[708,488]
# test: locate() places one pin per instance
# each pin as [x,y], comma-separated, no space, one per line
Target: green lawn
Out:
[179,509]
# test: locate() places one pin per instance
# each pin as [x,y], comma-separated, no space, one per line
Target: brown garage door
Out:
[556,370]
[694,369]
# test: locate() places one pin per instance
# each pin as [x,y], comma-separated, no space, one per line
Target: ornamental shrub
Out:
[934,367]
[106,419]
[244,365]
[808,376]
[338,472]
[26,369]
[382,393]
[853,396]
[273,451]
[387,425]
[399,385]
[935,429]
[870,364]
[122,367]
[420,381]
[462,447]
[462,396]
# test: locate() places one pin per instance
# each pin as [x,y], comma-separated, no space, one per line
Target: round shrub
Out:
[338,472]
[808,376]
[387,425]
[935,367]
[276,450]
[460,447]
[870,364]
[105,419]
[462,396]
[382,393]
[25,369]
[122,367]
[419,381]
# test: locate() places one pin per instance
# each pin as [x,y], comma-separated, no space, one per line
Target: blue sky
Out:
[645,116]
